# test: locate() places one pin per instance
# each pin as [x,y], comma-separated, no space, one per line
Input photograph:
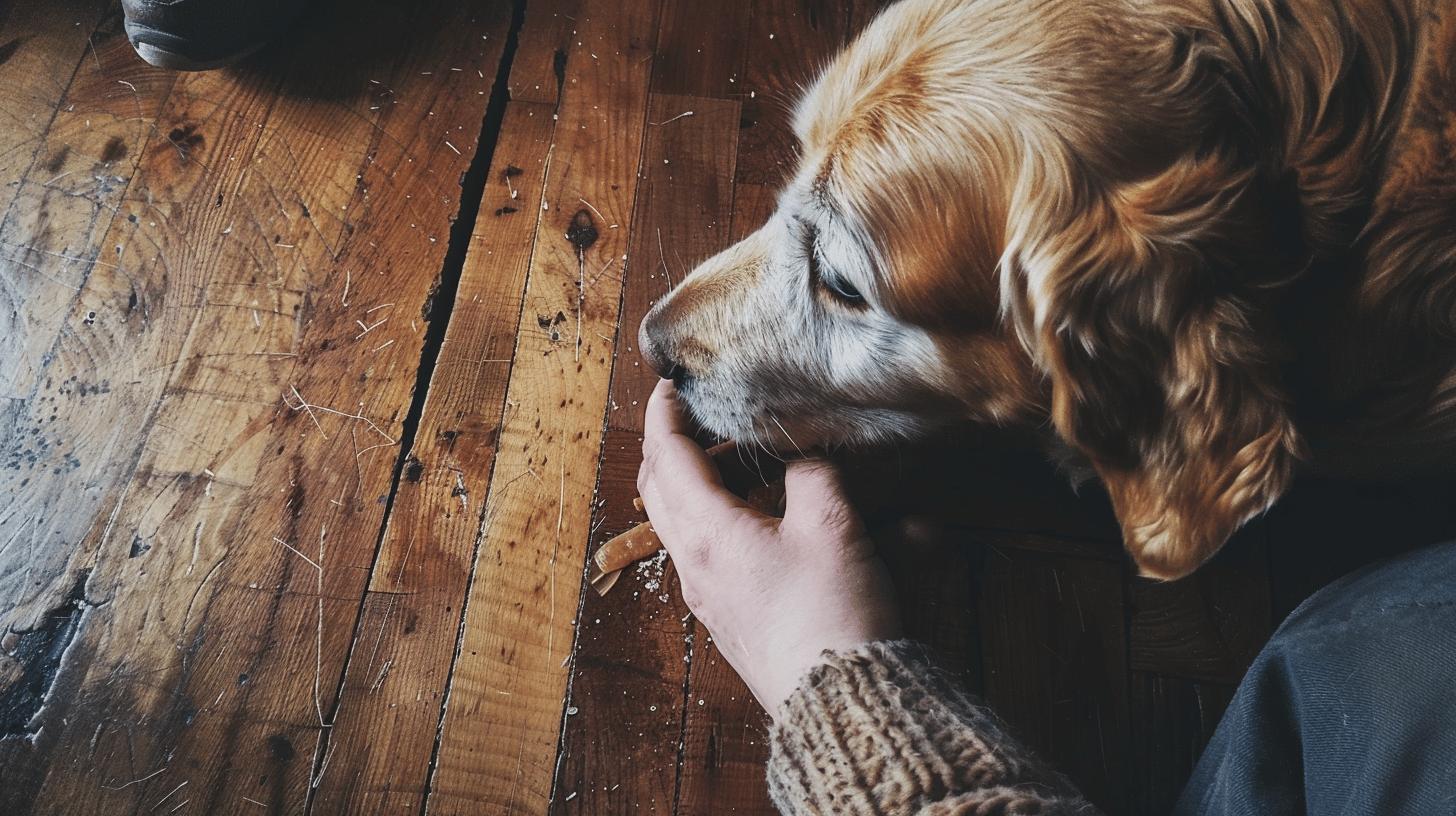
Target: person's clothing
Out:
[878,730]
[199,35]
[1350,709]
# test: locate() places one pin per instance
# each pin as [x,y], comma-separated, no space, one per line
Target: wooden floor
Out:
[310,412]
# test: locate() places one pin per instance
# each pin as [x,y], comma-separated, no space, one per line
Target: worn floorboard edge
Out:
[472,190]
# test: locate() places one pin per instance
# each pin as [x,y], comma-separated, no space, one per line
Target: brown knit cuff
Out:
[878,730]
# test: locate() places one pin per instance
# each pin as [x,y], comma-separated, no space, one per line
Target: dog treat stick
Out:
[642,542]
[621,552]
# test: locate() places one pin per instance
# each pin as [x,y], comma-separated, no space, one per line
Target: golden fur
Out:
[1202,240]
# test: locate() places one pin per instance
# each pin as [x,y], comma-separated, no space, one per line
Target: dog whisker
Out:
[786,434]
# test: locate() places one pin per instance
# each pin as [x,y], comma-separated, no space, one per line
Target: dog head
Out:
[1012,212]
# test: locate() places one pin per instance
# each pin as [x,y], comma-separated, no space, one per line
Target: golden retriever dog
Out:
[1201,242]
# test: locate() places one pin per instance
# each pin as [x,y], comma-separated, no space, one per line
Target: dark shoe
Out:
[199,35]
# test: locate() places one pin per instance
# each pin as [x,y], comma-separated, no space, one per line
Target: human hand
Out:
[774,593]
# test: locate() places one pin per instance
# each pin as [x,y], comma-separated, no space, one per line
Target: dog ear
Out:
[1140,304]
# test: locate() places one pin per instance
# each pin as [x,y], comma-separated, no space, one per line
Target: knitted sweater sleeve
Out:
[877,730]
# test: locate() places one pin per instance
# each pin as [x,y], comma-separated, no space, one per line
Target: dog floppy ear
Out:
[1138,303]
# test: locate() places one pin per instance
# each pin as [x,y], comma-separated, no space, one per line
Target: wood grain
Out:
[790,41]
[538,70]
[66,208]
[150,538]
[636,643]
[1172,721]
[701,51]
[200,641]
[503,715]
[399,662]
[42,42]
[1209,626]
[1060,619]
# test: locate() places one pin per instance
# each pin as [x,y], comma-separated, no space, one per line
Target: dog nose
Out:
[654,351]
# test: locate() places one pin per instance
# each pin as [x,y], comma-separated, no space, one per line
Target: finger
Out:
[665,413]
[679,484]
[815,498]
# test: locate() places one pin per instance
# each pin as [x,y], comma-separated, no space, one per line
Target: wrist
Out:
[796,664]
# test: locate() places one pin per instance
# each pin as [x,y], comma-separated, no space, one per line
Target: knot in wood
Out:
[582,231]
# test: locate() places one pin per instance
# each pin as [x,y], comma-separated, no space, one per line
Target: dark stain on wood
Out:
[58,159]
[115,149]
[281,748]
[185,138]
[427,309]
[558,67]
[38,652]
[414,469]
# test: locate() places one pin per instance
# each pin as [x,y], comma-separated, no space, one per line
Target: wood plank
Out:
[1172,721]
[59,208]
[264,229]
[505,704]
[41,44]
[634,644]
[538,69]
[392,697]
[137,347]
[50,242]
[1210,625]
[1056,664]
[789,42]
[701,50]
[935,580]
[621,739]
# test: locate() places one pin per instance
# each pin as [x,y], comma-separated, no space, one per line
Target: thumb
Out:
[816,499]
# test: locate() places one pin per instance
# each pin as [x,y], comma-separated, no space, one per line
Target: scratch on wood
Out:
[318,664]
[134,781]
[369,328]
[196,543]
[295,551]
[310,408]
[170,794]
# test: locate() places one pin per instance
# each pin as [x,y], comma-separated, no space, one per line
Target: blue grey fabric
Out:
[1351,707]
[199,35]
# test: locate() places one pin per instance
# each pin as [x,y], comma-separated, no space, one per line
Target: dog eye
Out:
[843,290]
[835,285]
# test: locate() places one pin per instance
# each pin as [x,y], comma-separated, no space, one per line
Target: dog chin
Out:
[739,423]
[791,435]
